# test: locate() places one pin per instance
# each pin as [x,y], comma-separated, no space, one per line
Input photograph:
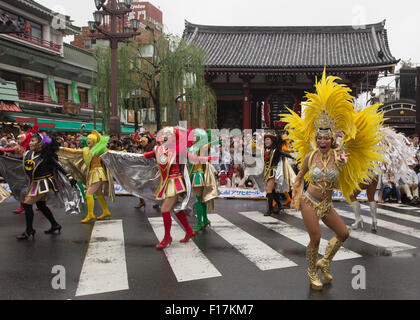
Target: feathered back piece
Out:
[365,151]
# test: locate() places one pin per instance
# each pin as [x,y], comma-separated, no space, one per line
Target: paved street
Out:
[244,255]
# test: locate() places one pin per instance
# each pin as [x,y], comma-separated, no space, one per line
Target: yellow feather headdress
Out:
[331,107]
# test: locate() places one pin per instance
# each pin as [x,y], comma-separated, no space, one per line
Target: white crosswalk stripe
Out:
[400,206]
[264,257]
[398,215]
[409,231]
[369,238]
[188,262]
[104,268]
[295,234]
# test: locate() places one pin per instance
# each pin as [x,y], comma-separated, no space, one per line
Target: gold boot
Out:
[106,214]
[311,256]
[90,204]
[324,264]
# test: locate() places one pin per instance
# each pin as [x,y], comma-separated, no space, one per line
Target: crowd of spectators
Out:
[231,173]
[404,190]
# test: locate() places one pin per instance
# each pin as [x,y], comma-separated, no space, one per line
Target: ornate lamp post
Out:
[112,18]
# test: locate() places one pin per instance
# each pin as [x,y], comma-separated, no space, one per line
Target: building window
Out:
[83,96]
[32,85]
[26,84]
[62,91]
[31,28]
[90,44]
[36,29]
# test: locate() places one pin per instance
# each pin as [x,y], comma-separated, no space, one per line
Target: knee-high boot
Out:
[167,223]
[359,220]
[105,211]
[276,197]
[90,204]
[206,221]
[48,214]
[373,211]
[189,231]
[29,217]
[199,211]
[270,204]
[324,264]
[20,209]
[311,257]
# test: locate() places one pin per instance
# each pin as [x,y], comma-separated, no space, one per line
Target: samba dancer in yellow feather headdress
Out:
[328,118]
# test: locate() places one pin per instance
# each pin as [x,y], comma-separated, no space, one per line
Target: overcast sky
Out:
[402,16]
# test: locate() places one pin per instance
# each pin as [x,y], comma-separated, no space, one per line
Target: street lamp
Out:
[112,30]
[97,16]
[128,3]
[92,26]
[135,23]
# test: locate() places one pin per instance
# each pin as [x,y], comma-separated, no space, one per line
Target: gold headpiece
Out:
[324,122]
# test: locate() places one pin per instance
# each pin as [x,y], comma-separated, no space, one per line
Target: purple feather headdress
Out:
[44,139]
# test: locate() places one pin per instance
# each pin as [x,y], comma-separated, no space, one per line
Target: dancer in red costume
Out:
[172,182]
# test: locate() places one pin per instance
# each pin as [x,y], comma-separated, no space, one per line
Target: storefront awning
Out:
[71,126]
[9,106]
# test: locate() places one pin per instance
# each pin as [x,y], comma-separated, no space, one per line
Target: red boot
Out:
[20,209]
[165,242]
[189,231]
[167,223]
[187,237]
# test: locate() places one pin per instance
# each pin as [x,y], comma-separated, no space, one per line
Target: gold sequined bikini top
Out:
[323,179]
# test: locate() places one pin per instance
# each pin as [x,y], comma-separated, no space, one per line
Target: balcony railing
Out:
[38,41]
[28,96]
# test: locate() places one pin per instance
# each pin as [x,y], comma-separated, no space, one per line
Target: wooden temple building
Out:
[257,71]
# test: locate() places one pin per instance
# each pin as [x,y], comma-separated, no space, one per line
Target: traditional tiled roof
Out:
[292,47]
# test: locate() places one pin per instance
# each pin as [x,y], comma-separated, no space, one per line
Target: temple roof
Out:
[311,47]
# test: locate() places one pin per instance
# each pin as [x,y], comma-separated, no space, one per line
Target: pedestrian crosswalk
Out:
[190,262]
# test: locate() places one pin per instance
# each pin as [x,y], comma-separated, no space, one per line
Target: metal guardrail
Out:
[28,96]
[38,41]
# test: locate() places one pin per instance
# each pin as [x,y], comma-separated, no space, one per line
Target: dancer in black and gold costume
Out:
[273,155]
[41,164]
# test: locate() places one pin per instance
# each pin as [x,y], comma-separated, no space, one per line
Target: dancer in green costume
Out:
[203,181]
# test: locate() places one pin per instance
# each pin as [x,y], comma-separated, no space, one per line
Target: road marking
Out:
[412,232]
[397,215]
[400,206]
[295,234]
[186,259]
[369,238]
[263,256]
[104,268]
